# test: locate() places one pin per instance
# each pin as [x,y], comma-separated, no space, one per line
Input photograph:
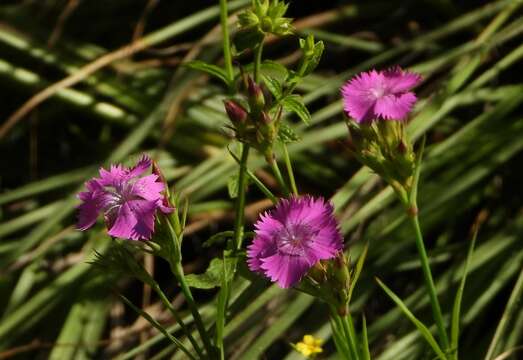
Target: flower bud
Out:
[256,98]
[235,111]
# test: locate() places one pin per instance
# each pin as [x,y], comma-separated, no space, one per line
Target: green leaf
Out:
[356,273]
[218,238]
[364,339]
[294,104]
[232,186]
[212,277]
[158,326]
[286,134]
[275,69]
[454,330]
[247,39]
[425,332]
[273,85]
[209,69]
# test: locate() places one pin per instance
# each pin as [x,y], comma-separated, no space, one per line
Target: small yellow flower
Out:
[309,346]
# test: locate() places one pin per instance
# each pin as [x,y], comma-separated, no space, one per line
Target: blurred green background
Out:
[126,91]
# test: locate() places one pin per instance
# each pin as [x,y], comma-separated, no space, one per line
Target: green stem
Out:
[178,319]
[348,328]
[277,173]
[257,61]
[178,271]
[429,282]
[240,200]
[343,326]
[226,42]
[290,173]
[223,296]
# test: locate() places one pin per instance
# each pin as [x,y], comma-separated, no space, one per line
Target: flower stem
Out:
[226,42]
[345,332]
[178,271]
[223,296]
[348,328]
[429,282]
[277,173]
[290,173]
[178,319]
[257,61]
[240,200]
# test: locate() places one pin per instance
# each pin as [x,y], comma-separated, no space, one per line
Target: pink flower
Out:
[128,201]
[380,94]
[292,237]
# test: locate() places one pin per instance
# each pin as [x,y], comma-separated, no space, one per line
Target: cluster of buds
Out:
[384,147]
[254,123]
[377,104]
[263,17]
[331,281]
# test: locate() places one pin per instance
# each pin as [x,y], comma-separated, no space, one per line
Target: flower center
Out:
[294,239]
[378,91]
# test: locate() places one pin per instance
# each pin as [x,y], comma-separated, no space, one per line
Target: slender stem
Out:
[290,173]
[257,61]
[348,328]
[223,297]
[178,270]
[279,177]
[262,187]
[429,282]
[226,42]
[178,319]
[240,200]
[223,300]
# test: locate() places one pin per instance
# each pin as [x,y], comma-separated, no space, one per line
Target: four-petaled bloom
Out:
[293,237]
[380,94]
[127,200]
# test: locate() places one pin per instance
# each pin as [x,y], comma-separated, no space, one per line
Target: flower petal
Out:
[135,220]
[287,271]
[394,107]
[142,166]
[399,81]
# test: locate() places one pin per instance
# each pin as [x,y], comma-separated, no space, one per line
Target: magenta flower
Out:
[293,237]
[128,201]
[380,94]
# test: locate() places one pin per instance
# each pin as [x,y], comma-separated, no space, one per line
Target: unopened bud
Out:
[235,111]
[256,98]
[402,147]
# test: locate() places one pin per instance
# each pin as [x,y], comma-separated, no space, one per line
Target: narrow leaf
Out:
[357,271]
[273,85]
[212,277]
[218,238]
[157,325]
[209,69]
[454,330]
[364,339]
[294,104]
[232,186]
[425,332]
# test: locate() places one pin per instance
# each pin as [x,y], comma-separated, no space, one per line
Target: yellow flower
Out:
[309,346]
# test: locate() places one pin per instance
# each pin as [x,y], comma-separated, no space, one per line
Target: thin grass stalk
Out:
[227,58]
[429,282]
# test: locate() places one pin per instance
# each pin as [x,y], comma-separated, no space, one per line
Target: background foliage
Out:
[127,91]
